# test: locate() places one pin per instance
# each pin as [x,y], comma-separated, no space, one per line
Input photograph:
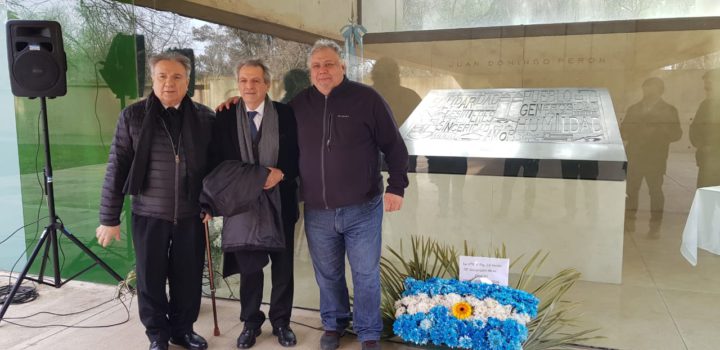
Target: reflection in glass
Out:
[450,191]
[386,80]
[704,131]
[295,80]
[650,125]
[512,168]
[580,170]
[529,167]
[403,15]
[402,102]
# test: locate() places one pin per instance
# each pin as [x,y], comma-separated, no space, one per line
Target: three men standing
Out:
[159,155]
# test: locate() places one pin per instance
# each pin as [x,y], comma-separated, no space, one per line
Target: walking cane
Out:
[212,279]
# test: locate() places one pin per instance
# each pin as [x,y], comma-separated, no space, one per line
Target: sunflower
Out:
[462,310]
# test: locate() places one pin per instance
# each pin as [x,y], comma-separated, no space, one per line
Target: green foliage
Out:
[127,286]
[553,327]
[32,158]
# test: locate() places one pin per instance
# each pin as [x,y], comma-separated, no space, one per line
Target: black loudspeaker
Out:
[124,66]
[189,53]
[36,58]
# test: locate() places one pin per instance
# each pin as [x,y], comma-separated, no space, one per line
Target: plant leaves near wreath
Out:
[554,327]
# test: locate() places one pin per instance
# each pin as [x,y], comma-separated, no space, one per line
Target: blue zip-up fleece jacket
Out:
[340,137]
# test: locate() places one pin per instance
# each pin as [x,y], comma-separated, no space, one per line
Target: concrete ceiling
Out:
[298,20]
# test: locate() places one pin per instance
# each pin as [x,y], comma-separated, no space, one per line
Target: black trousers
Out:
[580,169]
[174,254]
[530,167]
[281,296]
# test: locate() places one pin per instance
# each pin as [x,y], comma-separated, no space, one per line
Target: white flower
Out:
[412,309]
[453,298]
[400,311]
[523,319]
[476,304]
[425,306]
[491,303]
[426,324]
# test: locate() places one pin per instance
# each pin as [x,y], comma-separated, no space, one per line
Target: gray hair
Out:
[170,56]
[324,44]
[254,62]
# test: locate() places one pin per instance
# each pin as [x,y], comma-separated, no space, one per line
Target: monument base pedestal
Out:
[579,222]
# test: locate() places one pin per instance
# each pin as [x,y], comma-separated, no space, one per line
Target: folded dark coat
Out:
[234,190]
[225,145]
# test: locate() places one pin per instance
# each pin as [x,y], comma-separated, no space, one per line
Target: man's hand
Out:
[393,202]
[226,105]
[105,234]
[206,218]
[275,176]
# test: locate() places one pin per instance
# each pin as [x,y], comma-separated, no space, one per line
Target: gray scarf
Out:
[269,138]
[268,148]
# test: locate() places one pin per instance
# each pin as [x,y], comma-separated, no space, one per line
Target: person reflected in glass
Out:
[579,170]
[648,129]
[402,101]
[512,168]
[705,132]
[450,189]
[386,80]
[295,80]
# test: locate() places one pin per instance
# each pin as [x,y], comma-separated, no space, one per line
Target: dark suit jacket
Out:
[225,146]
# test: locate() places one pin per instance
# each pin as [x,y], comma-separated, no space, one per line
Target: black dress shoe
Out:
[190,341]
[286,337]
[159,345]
[247,338]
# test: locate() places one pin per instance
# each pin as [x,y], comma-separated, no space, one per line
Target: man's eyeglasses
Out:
[326,65]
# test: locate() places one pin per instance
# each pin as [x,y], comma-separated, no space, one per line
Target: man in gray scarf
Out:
[260,132]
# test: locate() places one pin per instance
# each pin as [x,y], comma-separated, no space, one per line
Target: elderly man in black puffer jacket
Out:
[159,156]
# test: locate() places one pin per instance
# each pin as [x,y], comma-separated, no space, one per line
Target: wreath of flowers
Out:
[464,314]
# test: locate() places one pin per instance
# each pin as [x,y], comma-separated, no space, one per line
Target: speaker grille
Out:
[36,70]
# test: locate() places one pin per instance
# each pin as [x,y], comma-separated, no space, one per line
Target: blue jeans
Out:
[356,230]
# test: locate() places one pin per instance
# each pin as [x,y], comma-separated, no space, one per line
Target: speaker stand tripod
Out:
[49,238]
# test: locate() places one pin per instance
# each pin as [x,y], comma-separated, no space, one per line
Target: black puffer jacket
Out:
[170,187]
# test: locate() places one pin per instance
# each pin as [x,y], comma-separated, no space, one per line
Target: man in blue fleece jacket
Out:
[342,128]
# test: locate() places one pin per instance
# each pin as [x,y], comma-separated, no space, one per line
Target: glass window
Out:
[107,44]
[404,15]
